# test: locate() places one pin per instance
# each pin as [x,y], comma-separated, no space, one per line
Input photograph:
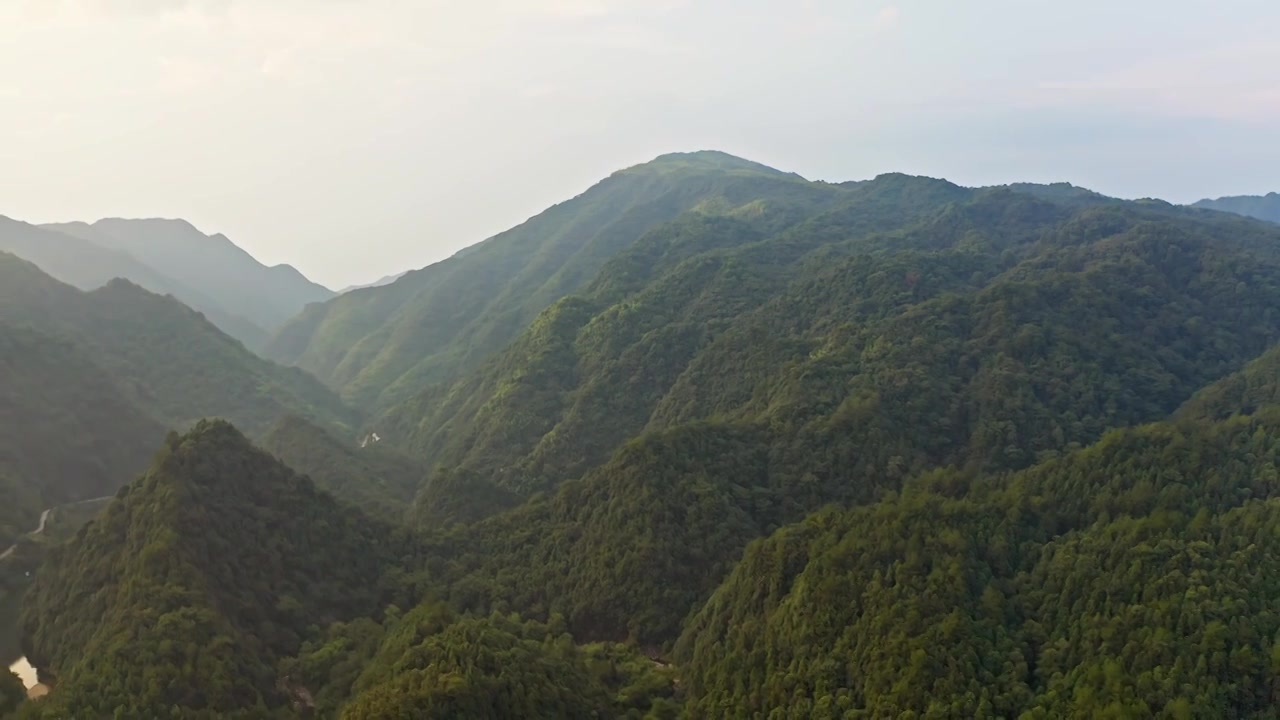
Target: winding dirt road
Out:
[44,519]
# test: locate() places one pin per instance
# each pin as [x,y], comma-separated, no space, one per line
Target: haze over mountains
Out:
[94,378]
[1263,207]
[244,298]
[708,440]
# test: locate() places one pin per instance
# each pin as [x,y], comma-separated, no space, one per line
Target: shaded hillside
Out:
[195,581]
[591,370]
[164,357]
[1062,192]
[1254,386]
[67,433]
[996,334]
[1262,207]
[434,666]
[434,663]
[1136,578]
[379,345]
[374,478]
[209,264]
[73,258]
[990,331]
[628,551]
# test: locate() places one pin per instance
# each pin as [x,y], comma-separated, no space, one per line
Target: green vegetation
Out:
[994,330]
[1135,578]
[593,370]
[187,590]
[768,379]
[381,345]
[165,358]
[65,520]
[433,663]
[711,441]
[12,693]
[374,478]
[69,432]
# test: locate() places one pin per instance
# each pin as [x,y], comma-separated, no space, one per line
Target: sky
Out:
[359,138]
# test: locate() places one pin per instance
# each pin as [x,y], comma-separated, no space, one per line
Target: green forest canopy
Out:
[781,449]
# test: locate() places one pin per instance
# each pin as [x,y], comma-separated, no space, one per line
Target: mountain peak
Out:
[154,224]
[218,524]
[703,160]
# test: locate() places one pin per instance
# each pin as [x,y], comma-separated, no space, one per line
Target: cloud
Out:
[888,18]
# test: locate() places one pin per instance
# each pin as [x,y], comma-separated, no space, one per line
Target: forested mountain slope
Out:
[785,449]
[1263,207]
[222,584]
[195,581]
[375,478]
[1256,385]
[379,345]
[433,663]
[762,376]
[592,369]
[989,330]
[67,431]
[164,357]
[76,260]
[209,264]
[1135,578]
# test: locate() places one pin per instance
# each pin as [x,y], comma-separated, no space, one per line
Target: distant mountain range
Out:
[90,381]
[382,345]
[385,280]
[209,273]
[708,440]
[1263,207]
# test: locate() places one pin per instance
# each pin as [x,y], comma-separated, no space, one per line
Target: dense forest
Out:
[375,478]
[707,441]
[208,568]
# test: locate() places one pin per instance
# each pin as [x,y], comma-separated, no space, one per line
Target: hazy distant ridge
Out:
[1262,207]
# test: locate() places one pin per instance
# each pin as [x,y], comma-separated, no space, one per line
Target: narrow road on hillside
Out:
[44,519]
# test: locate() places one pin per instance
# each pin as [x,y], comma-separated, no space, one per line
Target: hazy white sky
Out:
[356,138]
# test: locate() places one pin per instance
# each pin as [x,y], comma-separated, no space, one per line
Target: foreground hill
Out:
[208,264]
[191,585]
[222,584]
[73,258]
[1136,578]
[166,358]
[1262,207]
[382,344]
[68,432]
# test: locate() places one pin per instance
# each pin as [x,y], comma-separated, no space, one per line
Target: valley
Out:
[622,360]
[707,440]
[78,513]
